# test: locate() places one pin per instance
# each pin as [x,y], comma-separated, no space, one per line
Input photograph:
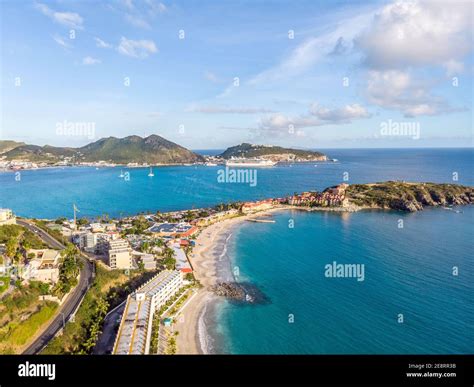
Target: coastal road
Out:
[73,300]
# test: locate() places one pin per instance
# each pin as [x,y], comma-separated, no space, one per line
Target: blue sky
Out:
[310,74]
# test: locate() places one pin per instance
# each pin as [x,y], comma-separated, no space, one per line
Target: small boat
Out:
[209,164]
[335,160]
[151,174]
[121,174]
[248,298]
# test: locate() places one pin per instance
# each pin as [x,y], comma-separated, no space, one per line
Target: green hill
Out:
[132,149]
[7,145]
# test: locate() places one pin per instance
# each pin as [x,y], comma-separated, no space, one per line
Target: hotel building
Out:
[134,333]
[120,254]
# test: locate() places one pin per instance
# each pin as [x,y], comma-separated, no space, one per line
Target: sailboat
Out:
[151,174]
[121,174]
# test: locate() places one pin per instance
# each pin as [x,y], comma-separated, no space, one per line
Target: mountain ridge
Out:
[152,149]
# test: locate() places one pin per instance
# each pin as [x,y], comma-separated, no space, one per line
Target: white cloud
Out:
[395,89]
[279,121]
[313,49]
[142,13]
[136,48]
[88,60]
[453,67]
[317,116]
[68,19]
[155,7]
[61,41]
[230,110]
[406,38]
[102,44]
[344,114]
[417,33]
[137,21]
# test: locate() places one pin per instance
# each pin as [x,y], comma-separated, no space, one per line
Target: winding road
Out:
[73,300]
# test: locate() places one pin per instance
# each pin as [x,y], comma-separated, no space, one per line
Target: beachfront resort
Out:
[135,330]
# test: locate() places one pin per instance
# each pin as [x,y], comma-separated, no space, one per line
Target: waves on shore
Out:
[212,342]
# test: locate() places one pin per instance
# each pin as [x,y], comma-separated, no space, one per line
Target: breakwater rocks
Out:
[240,292]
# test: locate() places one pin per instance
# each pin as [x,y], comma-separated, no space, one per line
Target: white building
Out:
[6,216]
[134,334]
[43,267]
[88,242]
[120,254]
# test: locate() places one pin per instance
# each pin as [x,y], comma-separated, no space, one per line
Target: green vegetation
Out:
[155,330]
[54,233]
[4,282]
[171,347]
[173,299]
[228,206]
[21,333]
[408,196]
[248,151]
[107,291]
[18,239]
[139,225]
[152,149]
[69,271]
[82,221]
[7,145]
[21,314]
[168,261]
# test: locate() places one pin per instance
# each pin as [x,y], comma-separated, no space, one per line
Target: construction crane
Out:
[75,209]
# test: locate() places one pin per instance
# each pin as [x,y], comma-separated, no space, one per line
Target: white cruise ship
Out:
[249,163]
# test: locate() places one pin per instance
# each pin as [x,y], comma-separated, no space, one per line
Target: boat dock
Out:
[261,220]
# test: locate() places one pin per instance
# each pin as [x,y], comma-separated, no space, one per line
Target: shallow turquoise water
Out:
[407,271]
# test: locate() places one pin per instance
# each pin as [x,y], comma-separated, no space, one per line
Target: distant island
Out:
[132,149]
[136,151]
[273,153]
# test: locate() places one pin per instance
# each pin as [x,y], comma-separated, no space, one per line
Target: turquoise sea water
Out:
[407,271]
[51,192]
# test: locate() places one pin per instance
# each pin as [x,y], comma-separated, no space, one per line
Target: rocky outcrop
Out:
[410,197]
[240,292]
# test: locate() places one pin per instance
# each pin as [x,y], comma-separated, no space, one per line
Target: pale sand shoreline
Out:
[204,260]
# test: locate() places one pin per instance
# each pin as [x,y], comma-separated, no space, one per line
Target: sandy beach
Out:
[210,266]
